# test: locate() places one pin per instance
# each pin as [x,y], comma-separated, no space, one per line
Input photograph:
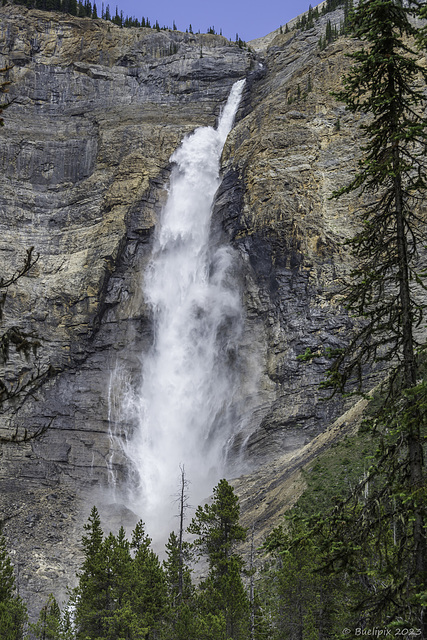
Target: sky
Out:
[249,18]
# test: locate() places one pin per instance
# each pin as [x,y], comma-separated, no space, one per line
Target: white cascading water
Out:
[183,410]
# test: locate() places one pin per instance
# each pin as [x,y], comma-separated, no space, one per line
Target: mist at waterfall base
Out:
[186,411]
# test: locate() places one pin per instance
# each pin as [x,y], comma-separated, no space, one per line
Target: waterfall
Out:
[183,410]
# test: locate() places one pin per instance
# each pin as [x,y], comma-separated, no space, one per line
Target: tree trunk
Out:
[415,447]
[181,532]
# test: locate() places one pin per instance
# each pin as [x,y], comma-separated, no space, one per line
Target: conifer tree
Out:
[183,506]
[13,614]
[119,595]
[181,609]
[173,566]
[72,7]
[328,34]
[48,625]
[121,618]
[217,528]
[91,577]
[348,14]
[91,597]
[148,591]
[304,600]
[384,292]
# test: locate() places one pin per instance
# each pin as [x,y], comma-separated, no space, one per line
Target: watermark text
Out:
[382,632]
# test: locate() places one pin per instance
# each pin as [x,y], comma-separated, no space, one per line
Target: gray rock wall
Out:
[97,112]
[282,162]
[85,156]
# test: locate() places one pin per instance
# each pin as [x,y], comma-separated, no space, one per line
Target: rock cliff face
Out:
[85,156]
[283,160]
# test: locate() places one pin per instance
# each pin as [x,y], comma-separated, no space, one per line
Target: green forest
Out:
[350,559]
[87,9]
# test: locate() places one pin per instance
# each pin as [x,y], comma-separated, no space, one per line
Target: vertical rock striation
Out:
[97,112]
[283,160]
